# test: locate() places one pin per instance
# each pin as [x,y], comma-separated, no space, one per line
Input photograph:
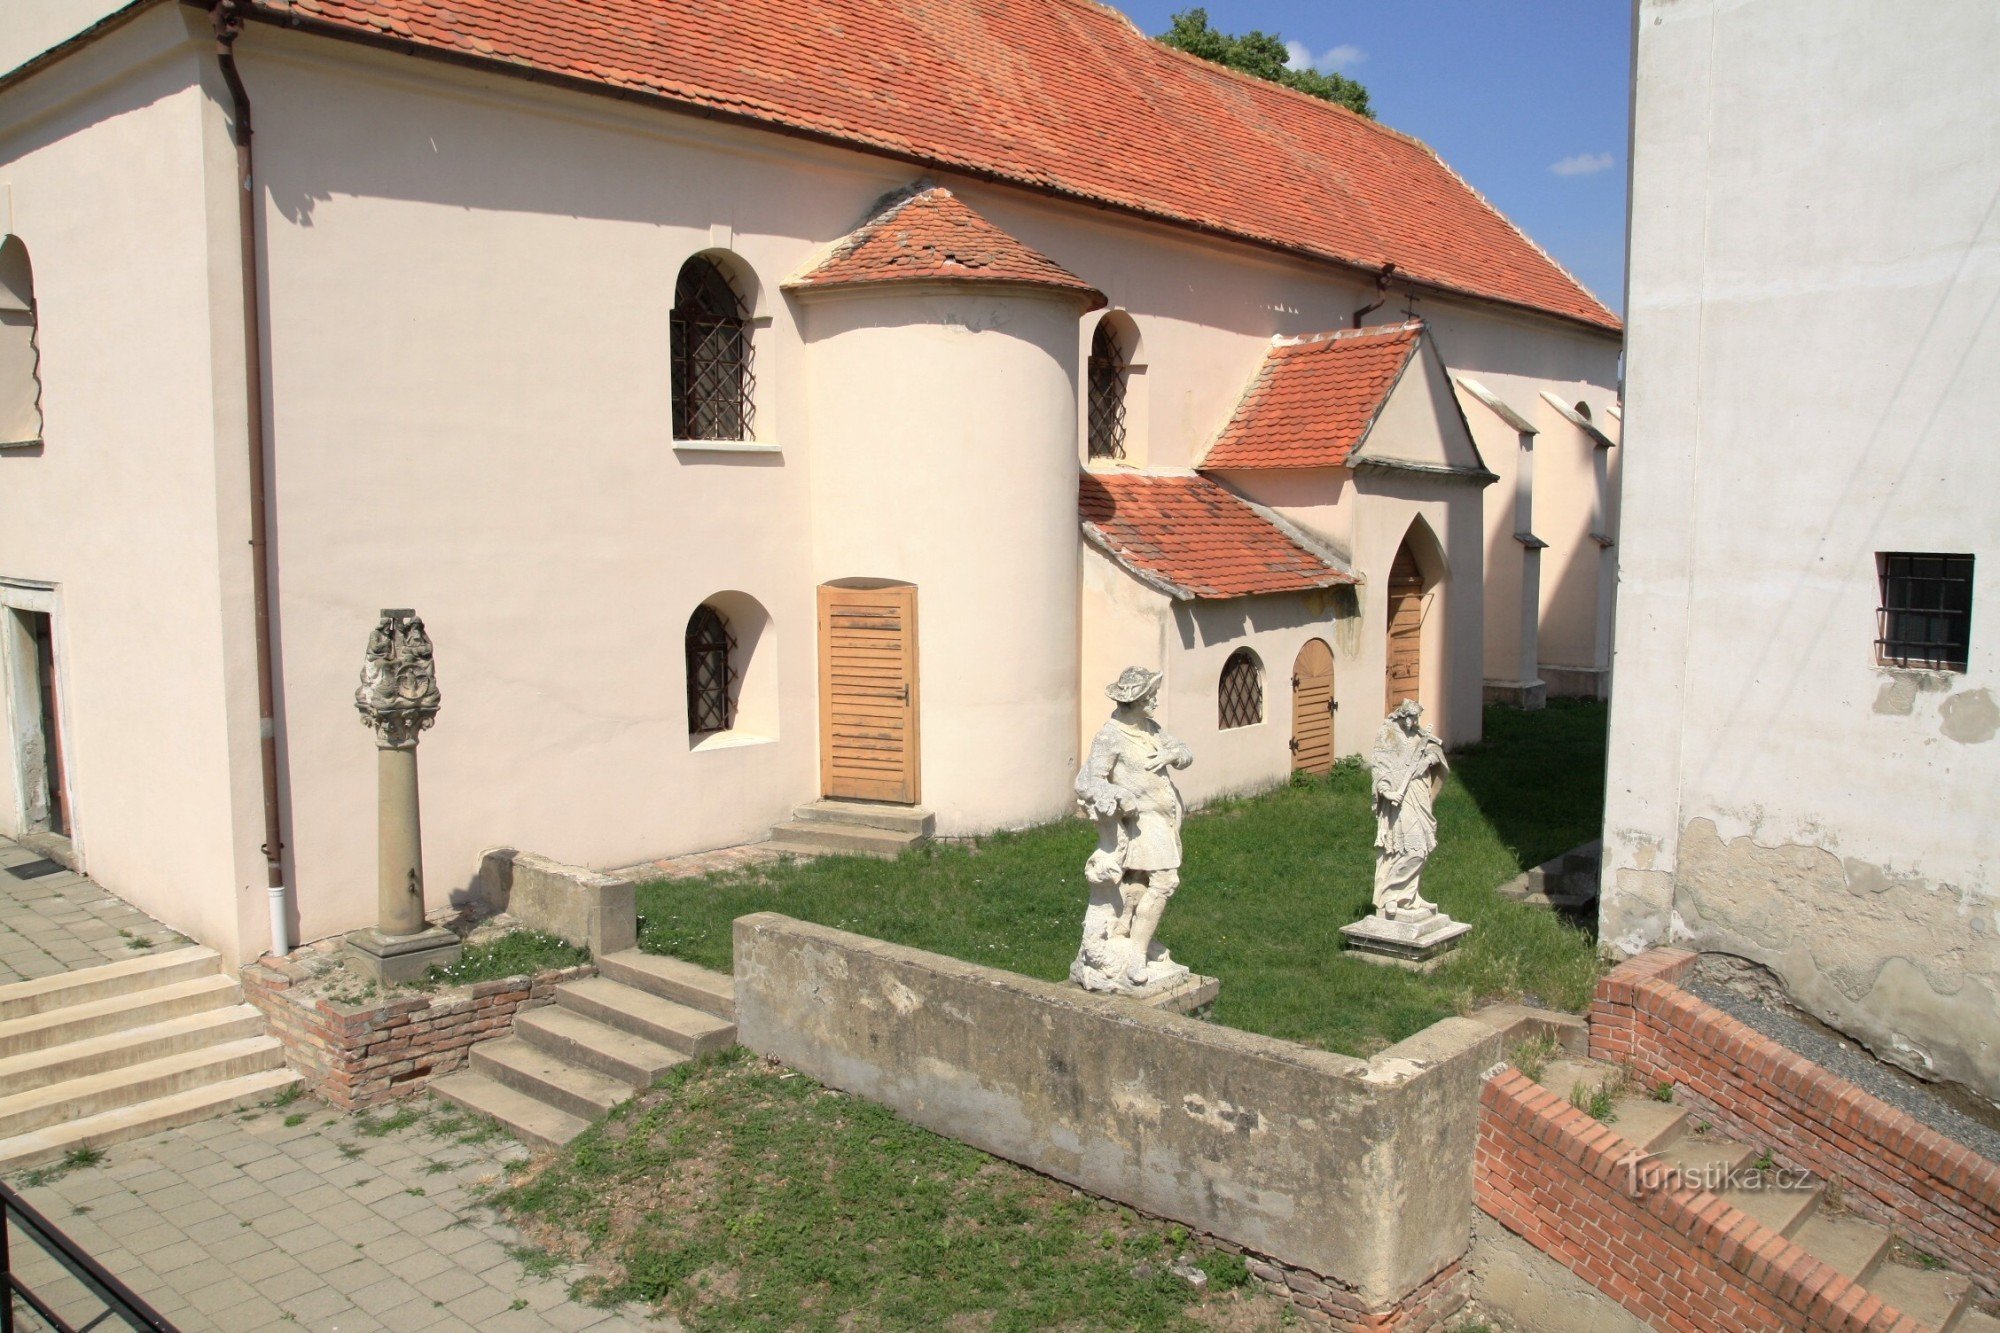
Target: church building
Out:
[759,404]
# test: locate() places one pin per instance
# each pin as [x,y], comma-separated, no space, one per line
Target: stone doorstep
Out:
[869,814]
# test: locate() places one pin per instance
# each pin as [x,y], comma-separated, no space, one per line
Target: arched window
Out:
[1241,693]
[1109,361]
[20,385]
[711,706]
[710,349]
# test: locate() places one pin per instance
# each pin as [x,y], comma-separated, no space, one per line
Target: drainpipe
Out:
[1381,295]
[227,16]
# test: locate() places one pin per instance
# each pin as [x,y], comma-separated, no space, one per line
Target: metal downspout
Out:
[227,16]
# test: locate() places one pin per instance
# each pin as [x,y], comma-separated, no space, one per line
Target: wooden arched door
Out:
[1312,708]
[1406,626]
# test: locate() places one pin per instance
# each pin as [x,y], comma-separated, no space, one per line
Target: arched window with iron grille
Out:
[1109,363]
[711,354]
[1240,695]
[710,678]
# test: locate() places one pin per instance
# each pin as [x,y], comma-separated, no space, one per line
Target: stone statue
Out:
[398,698]
[1125,786]
[398,694]
[1405,929]
[1409,767]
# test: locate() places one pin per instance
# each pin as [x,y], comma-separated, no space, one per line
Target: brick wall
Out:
[1942,1196]
[1675,1256]
[361,1055]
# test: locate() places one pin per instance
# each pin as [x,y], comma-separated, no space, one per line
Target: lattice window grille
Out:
[714,379]
[1241,692]
[1107,393]
[1925,615]
[710,678]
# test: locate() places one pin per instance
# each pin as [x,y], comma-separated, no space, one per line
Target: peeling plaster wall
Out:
[1774,793]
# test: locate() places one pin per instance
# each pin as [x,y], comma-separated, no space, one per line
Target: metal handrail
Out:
[118,1298]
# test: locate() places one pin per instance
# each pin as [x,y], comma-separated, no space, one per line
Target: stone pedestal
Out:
[396,960]
[1418,946]
[1183,995]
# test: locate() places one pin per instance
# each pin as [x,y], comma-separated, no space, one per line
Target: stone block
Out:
[396,960]
[599,912]
[1358,1172]
[1418,946]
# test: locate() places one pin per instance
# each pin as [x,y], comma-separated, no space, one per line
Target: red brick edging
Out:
[361,1055]
[1940,1194]
[1676,1256]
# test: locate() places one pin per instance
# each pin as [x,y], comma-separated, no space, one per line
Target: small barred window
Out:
[709,337]
[709,675]
[1108,368]
[1241,693]
[1925,616]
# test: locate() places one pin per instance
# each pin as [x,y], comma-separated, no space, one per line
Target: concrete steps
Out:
[604,1040]
[1851,1245]
[854,828]
[1567,881]
[92,1057]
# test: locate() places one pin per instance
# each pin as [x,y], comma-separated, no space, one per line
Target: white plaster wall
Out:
[1815,262]
[118,172]
[472,419]
[944,429]
[1123,624]
[35,26]
[1566,488]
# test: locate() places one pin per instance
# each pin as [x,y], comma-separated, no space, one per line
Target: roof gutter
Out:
[227,17]
[293,19]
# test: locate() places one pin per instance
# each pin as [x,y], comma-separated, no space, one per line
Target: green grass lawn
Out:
[1267,883]
[740,1196]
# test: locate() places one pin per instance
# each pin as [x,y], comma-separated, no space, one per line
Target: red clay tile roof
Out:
[1190,538]
[1065,96]
[1314,400]
[932,236]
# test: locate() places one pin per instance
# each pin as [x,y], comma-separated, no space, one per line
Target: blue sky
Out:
[1527,99]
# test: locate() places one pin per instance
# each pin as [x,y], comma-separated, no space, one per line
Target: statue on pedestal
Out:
[1126,787]
[1408,768]
[398,700]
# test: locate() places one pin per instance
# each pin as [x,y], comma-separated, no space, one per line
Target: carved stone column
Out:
[398,698]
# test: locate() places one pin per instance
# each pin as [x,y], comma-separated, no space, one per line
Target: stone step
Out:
[1937,1299]
[23,999]
[1520,1022]
[617,1054]
[1977,1321]
[1649,1124]
[567,1086]
[813,838]
[119,1050]
[672,979]
[533,1122]
[46,1145]
[147,1081]
[1707,1161]
[1784,1211]
[644,1014]
[1851,1246]
[117,1013]
[869,814]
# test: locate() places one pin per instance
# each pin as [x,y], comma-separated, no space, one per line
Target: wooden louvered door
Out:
[1406,627]
[1312,708]
[868,693]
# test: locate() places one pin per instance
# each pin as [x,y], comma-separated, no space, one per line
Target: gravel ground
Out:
[1856,1065]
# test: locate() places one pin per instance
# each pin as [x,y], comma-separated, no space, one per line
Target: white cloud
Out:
[1582,164]
[1339,59]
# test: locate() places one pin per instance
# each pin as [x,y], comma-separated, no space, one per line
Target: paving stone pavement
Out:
[298,1216]
[53,920]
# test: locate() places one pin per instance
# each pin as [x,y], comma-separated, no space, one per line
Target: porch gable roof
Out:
[1192,539]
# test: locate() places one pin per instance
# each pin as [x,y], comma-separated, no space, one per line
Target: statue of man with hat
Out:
[1127,788]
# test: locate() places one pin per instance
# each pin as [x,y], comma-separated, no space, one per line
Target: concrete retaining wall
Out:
[1358,1171]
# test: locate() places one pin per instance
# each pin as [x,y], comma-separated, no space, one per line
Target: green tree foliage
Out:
[1261,54]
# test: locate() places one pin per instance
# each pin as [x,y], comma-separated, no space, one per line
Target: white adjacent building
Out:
[1805,764]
